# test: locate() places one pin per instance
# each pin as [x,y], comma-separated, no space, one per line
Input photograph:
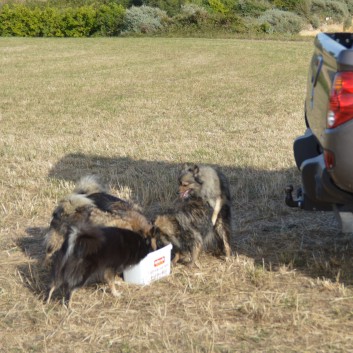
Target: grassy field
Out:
[131,111]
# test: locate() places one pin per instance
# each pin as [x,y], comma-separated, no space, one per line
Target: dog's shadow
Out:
[153,185]
[34,275]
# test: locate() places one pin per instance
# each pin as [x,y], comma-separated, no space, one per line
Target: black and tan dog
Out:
[188,228]
[90,203]
[95,254]
[212,186]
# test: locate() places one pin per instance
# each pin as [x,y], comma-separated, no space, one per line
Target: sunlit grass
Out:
[132,110]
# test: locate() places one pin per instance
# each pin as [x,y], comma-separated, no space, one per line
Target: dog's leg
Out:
[216,210]
[109,277]
[68,295]
[154,244]
[223,232]
[176,258]
[51,291]
[195,255]
[46,261]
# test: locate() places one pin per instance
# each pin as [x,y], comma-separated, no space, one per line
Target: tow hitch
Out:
[289,197]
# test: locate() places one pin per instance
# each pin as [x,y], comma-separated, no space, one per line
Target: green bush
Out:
[229,22]
[110,19]
[252,8]
[278,21]
[196,19]
[144,19]
[349,4]
[191,15]
[171,7]
[337,10]
[286,5]
[303,8]
[218,6]
[347,24]
[50,23]
[318,7]
[315,21]
[19,20]
[78,22]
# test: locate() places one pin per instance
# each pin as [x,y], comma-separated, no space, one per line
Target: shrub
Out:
[218,6]
[347,24]
[315,21]
[338,11]
[191,9]
[110,19]
[171,7]
[19,20]
[278,21]
[252,8]
[318,7]
[50,23]
[78,22]
[194,19]
[229,23]
[286,5]
[349,4]
[191,14]
[144,19]
[303,8]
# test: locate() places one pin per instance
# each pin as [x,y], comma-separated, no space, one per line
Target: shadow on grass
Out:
[35,276]
[265,230]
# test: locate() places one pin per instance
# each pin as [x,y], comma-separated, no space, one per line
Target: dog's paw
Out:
[116,294]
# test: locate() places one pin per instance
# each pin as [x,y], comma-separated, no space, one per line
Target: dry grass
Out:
[131,110]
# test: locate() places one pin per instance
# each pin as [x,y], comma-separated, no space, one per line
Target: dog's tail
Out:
[88,185]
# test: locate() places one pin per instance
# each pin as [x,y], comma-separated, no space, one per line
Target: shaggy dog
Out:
[212,186]
[91,204]
[91,253]
[187,227]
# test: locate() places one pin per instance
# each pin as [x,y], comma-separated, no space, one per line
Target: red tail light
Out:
[341,100]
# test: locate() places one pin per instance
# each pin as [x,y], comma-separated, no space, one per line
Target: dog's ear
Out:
[195,169]
[184,167]
[151,239]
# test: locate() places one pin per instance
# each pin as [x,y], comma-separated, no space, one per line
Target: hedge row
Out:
[19,20]
[112,18]
[109,20]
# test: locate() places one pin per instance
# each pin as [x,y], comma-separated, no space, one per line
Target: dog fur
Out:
[91,253]
[212,186]
[187,227]
[90,203]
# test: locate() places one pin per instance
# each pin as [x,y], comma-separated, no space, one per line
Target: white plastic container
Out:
[154,266]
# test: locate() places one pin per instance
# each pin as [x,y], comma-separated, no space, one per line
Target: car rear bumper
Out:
[319,192]
[339,141]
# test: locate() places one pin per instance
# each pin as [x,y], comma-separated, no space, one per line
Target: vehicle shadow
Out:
[264,228]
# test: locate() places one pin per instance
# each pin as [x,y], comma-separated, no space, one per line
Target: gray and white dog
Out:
[212,186]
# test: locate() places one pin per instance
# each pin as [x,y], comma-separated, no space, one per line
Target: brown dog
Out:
[91,204]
